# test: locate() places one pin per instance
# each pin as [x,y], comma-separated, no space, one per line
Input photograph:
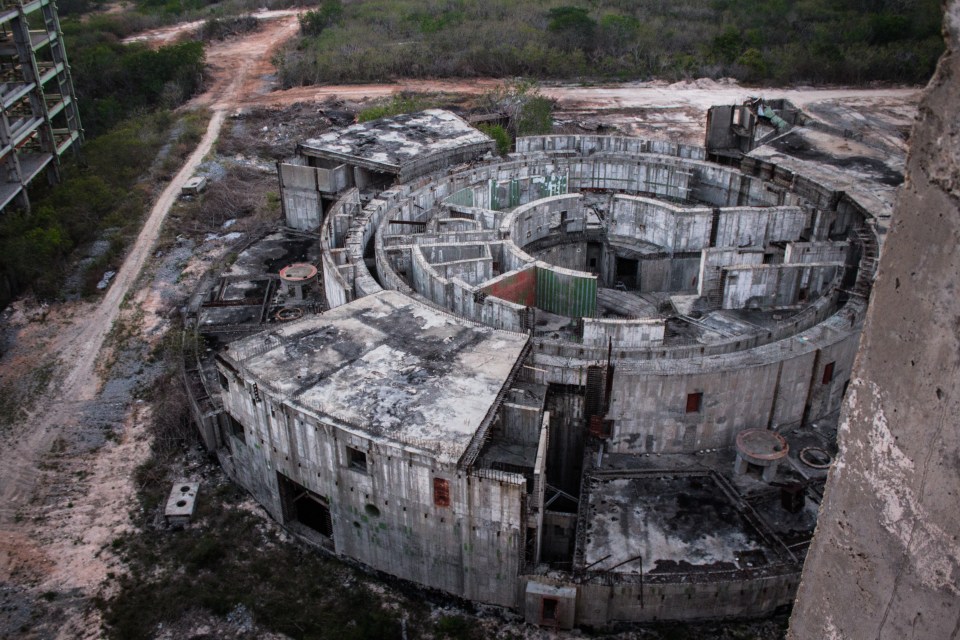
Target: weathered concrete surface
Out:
[885,562]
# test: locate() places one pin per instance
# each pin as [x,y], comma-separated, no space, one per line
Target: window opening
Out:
[828,373]
[356,459]
[694,402]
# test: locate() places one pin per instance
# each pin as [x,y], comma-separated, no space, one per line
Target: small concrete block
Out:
[181,503]
[194,186]
[550,606]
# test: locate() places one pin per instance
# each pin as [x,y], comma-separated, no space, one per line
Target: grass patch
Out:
[229,558]
[398,104]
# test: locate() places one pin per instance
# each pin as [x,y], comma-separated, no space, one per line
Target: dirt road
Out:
[69,560]
[700,94]
[174,32]
[236,64]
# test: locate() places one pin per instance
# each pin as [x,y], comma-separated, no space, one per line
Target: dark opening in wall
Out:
[441,492]
[356,459]
[828,373]
[627,272]
[224,383]
[236,429]
[530,545]
[694,402]
[304,506]
[549,611]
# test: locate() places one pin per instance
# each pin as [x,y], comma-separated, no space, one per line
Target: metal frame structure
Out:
[39,119]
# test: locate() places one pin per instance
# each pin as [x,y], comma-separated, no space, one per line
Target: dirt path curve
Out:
[68,560]
[238,64]
[170,34]
[18,469]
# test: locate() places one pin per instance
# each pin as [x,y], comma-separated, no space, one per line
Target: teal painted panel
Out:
[514,194]
[565,294]
[554,184]
[494,195]
[464,198]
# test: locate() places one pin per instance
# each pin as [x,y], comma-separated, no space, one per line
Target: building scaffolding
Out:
[39,119]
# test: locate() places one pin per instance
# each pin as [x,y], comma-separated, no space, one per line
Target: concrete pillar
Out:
[770,471]
[740,466]
[885,561]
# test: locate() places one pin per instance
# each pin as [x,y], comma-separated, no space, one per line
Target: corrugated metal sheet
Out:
[464,198]
[566,294]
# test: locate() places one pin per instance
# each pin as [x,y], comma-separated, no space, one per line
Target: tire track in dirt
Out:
[239,59]
[49,560]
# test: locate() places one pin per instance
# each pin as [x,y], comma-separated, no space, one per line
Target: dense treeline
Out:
[114,80]
[761,41]
[120,89]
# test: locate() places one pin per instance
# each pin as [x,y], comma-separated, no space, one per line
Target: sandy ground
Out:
[173,33]
[62,502]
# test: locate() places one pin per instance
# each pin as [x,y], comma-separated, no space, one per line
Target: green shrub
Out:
[312,23]
[536,116]
[395,106]
[378,40]
[499,135]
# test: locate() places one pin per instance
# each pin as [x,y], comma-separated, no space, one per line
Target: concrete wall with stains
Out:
[885,560]
[783,390]
[659,223]
[383,515]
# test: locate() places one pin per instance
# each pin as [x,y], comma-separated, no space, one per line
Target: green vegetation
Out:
[312,23]
[400,103]
[820,41]
[103,197]
[499,135]
[113,80]
[228,559]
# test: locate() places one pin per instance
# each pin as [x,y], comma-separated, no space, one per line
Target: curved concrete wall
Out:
[440,547]
[773,378]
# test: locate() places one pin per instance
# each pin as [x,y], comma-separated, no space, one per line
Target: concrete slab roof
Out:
[868,174]
[389,368]
[669,523]
[389,143]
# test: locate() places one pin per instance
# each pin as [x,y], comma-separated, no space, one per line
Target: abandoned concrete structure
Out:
[595,381]
[372,155]
[40,118]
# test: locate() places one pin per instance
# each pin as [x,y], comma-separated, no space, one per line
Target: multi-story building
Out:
[40,120]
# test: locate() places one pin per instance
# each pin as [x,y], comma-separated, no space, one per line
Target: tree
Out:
[312,23]
[573,26]
[499,135]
